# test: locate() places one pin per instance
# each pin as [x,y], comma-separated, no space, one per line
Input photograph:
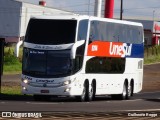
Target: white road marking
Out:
[133,100]
[42,103]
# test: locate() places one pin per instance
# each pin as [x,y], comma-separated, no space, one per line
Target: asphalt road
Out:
[142,101]
[102,108]
[146,101]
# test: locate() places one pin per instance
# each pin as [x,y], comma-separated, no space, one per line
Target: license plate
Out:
[44,91]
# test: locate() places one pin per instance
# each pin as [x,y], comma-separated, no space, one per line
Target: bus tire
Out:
[130,91]
[92,91]
[85,93]
[124,94]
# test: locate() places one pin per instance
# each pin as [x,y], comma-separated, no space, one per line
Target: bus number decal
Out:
[94,47]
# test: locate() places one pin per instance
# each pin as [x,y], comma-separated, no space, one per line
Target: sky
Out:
[131,8]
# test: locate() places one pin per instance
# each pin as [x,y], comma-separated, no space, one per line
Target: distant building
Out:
[14,17]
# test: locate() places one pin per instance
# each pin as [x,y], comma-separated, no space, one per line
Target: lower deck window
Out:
[105,65]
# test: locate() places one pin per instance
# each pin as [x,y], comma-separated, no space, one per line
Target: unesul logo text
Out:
[120,50]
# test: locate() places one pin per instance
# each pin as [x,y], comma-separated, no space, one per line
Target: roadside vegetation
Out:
[12,64]
[11,90]
[152,55]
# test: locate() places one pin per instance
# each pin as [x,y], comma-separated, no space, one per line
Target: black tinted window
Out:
[105,65]
[43,63]
[42,31]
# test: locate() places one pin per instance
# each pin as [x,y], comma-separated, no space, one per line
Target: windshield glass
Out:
[46,63]
[54,32]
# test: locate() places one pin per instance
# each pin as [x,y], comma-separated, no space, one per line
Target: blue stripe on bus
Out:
[137,51]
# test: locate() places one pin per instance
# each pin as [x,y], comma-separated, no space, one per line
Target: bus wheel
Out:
[85,93]
[129,91]
[92,91]
[124,94]
[132,88]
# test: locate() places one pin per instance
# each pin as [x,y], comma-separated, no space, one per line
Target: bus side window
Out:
[82,30]
[105,65]
[91,33]
[94,31]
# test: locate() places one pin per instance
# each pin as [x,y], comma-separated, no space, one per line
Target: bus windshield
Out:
[46,63]
[51,32]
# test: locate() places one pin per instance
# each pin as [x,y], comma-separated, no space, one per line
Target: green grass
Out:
[12,64]
[13,69]
[152,59]
[14,90]
[152,55]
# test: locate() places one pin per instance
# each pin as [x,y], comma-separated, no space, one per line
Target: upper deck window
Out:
[51,32]
[115,32]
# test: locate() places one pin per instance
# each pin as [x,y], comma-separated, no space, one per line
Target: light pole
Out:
[153,15]
[97,8]
[121,11]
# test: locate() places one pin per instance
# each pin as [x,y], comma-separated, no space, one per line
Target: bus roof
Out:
[116,21]
[91,18]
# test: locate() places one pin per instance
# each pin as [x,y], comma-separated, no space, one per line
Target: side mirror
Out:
[74,47]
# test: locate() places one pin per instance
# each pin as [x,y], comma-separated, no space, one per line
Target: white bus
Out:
[83,57]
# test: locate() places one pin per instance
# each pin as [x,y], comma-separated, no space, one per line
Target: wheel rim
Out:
[91,93]
[129,90]
[124,94]
[83,94]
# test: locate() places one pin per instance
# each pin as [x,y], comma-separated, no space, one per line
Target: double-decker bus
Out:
[82,56]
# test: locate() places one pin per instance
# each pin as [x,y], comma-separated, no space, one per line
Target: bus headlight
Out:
[25,81]
[67,82]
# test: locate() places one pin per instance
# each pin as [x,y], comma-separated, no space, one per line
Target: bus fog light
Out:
[67,89]
[67,82]
[24,88]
